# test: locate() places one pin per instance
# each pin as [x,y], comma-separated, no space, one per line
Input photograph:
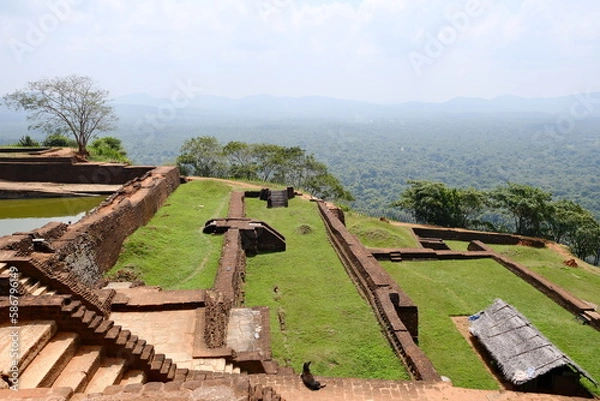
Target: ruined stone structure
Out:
[112,343]
[396,312]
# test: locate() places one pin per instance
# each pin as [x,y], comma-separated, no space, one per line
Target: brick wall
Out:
[226,292]
[553,291]
[72,173]
[395,311]
[466,235]
[91,246]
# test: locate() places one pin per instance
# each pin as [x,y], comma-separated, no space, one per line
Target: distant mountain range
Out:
[143,109]
[576,106]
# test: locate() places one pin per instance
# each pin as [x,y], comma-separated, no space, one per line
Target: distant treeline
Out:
[205,156]
[516,208]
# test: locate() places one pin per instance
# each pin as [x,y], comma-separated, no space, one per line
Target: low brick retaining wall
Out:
[91,246]
[553,291]
[51,169]
[395,311]
[226,292]
[467,235]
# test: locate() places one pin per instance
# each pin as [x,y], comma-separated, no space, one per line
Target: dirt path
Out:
[232,183]
[462,325]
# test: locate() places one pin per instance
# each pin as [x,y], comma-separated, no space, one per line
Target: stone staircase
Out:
[75,347]
[53,358]
[147,309]
[215,365]
[396,256]
[278,199]
[27,285]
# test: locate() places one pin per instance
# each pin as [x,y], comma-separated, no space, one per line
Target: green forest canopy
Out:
[291,166]
[516,208]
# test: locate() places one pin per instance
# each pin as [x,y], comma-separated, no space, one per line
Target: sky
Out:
[381,51]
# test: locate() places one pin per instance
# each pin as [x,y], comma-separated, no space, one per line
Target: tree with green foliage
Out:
[241,160]
[528,206]
[584,241]
[202,156]
[71,104]
[108,148]
[565,218]
[435,203]
[265,162]
[59,140]
[317,180]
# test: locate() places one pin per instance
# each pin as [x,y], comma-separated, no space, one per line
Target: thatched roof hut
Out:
[522,353]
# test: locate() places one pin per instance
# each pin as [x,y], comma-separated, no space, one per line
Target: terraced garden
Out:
[317,314]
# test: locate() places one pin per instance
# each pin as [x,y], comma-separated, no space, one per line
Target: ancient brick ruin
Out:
[107,328]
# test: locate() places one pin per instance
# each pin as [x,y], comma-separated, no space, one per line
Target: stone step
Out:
[210,364]
[50,361]
[32,338]
[32,286]
[109,372]
[41,290]
[80,369]
[133,376]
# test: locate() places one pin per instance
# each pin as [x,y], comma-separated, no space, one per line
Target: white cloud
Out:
[355,49]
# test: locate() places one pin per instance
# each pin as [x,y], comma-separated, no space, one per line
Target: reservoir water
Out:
[19,215]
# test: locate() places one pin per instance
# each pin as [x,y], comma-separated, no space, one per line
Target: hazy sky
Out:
[376,50]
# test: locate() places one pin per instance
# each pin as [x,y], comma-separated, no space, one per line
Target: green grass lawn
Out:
[443,289]
[171,251]
[326,320]
[374,233]
[582,282]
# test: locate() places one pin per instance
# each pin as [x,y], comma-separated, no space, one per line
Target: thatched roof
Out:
[520,350]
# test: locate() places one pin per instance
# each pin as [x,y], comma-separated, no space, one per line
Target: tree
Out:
[65,105]
[59,140]
[529,207]
[110,149]
[320,183]
[241,161]
[564,220]
[434,203]
[202,156]
[266,162]
[585,241]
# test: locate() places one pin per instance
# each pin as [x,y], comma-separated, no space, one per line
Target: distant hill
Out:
[320,107]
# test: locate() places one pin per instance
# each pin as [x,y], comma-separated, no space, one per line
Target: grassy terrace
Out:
[443,289]
[171,250]
[583,282]
[374,233]
[326,320]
